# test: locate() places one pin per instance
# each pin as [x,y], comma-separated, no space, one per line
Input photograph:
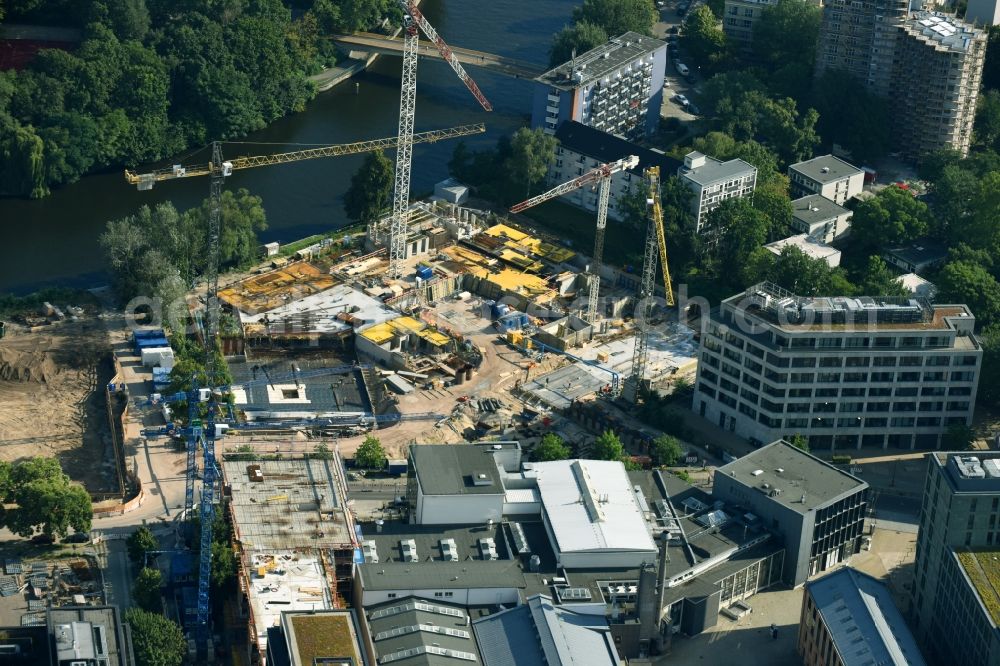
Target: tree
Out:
[880,280]
[989,377]
[370,193]
[580,37]
[146,590]
[370,454]
[800,442]
[742,229]
[806,276]
[666,450]
[607,446]
[223,566]
[958,437]
[986,131]
[242,216]
[552,447]
[784,38]
[140,542]
[532,153]
[704,39]
[963,282]
[852,117]
[156,640]
[46,500]
[892,216]
[618,16]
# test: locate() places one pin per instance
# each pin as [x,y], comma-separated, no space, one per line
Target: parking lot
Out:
[668,28]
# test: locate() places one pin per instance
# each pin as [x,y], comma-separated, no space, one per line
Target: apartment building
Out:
[939,68]
[953,605]
[820,218]
[583,148]
[738,20]
[859,37]
[843,372]
[849,617]
[828,176]
[714,181]
[616,87]
[818,509]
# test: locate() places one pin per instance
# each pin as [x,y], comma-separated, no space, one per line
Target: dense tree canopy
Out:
[894,215]
[370,454]
[551,447]
[156,640]
[140,542]
[42,498]
[580,37]
[703,38]
[146,590]
[851,116]
[370,194]
[618,16]
[607,446]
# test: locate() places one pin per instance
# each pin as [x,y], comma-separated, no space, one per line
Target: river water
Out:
[54,240]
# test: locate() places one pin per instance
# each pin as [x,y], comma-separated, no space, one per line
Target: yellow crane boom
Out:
[145,181]
[661,237]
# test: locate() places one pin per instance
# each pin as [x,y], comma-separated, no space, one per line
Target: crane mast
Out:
[413,22]
[655,249]
[602,176]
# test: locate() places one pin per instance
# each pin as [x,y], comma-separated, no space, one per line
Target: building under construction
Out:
[294,537]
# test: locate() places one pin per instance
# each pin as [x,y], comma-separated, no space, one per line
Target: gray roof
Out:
[462,575]
[414,631]
[864,623]
[427,540]
[806,482]
[714,171]
[919,252]
[837,169]
[814,209]
[539,633]
[117,648]
[335,392]
[944,30]
[601,60]
[456,469]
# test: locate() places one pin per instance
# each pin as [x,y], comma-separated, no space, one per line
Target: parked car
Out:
[42,539]
[77,537]
[682,69]
[692,109]
[681,99]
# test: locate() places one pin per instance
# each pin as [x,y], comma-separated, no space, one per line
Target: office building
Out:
[843,372]
[828,176]
[809,246]
[818,509]
[714,181]
[582,148]
[820,218]
[954,605]
[917,256]
[939,67]
[860,38]
[848,617]
[413,631]
[738,20]
[983,12]
[313,638]
[616,87]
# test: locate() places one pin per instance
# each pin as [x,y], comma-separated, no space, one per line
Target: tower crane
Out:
[655,240]
[413,23]
[205,431]
[602,176]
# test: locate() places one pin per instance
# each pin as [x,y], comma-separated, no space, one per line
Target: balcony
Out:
[553,99]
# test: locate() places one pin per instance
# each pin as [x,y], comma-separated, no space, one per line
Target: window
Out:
[803,377]
[852,392]
[881,377]
[884,361]
[856,342]
[830,362]
[826,393]
[806,362]
[857,362]
[904,407]
[908,377]
[908,391]
[828,377]
[800,393]
[879,392]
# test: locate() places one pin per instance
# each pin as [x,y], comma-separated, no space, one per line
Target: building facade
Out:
[939,69]
[818,509]
[738,20]
[830,177]
[714,181]
[958,544]
[820,218]
[860,38]
[616,87]
[582,148]
[843,372]
[841,625]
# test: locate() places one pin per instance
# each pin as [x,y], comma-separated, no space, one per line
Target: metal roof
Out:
[603,147]
[600,61]
[466,574]
[835,169]
[456,469]
[863,621]
[815,208]
[805,482]
[540,633]
[591,506]
[411,631]
[714,171]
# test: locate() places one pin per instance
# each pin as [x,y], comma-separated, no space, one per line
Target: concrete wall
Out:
[458,509]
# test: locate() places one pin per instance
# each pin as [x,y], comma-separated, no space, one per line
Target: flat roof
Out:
[540,633]
[404,325]
[311,636]
[442,575]
[600,61]
[809,246]
[281,581]
[72,628]
[815,208]
[340,309]
[714,171]
[604,148]
[591,506]
[970,471]
[982,566]
[944,30]
[919,251]
[835,169]
[271,389]
[299,504]
[456,469]
[806,482]
[417,631]
[462,540]
[863,621]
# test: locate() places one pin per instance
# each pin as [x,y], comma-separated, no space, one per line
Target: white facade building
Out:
[843,372]
[827,176]
[820,218]
[714,181]
[812,248]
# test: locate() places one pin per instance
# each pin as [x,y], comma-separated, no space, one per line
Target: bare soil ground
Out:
[52,399]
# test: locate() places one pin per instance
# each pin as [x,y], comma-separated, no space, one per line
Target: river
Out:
[53,241]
